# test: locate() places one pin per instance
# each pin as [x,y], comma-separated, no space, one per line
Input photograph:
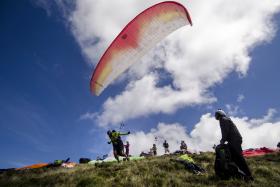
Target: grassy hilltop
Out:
[158,171]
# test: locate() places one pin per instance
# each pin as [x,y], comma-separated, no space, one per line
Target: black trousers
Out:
[118,147]
[237,157]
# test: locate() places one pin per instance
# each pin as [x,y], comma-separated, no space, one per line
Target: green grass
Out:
[159,171]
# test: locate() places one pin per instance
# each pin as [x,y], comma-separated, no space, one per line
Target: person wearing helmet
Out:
[118,148]
[231,135]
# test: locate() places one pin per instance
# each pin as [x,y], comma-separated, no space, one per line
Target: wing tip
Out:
[94,88]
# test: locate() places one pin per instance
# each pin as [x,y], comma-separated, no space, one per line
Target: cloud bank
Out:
[196,58]
[256,133]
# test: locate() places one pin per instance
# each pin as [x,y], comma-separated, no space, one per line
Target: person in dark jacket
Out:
[231,135]
[183,147]
[154,150]
[166,147]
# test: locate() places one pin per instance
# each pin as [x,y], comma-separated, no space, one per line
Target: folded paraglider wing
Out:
[34,166]
[138,37]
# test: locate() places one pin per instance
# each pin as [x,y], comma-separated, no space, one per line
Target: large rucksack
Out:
[225,168]
[84,160]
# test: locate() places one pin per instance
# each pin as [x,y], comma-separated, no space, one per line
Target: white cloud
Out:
[240,98]
[267,118]
[46,5]
[233,110]
[88,115]
[159,100]
[205,134]
[197,57]
[65,7]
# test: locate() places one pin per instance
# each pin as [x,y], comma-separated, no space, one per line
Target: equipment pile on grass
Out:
[153,171]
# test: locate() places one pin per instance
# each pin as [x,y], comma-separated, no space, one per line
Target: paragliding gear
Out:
[219,113]
[186,158]
[59,162]
[137,38]
[224,165]
[189,164]
[84,160]
[121,126]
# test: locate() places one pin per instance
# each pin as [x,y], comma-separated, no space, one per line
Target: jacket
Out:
[229,131]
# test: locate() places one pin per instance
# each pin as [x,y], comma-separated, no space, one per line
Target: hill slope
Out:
[158,171]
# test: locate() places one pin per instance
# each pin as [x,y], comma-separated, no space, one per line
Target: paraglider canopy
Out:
[136,39]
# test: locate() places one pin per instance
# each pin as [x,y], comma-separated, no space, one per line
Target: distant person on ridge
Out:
[166,146]
[115,139]
[154,150]
[127,148]
[231,135]
[183,146]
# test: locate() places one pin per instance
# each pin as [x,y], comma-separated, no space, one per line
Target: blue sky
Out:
[44,78]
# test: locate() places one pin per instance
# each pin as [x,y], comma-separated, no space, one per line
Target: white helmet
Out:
[220,113]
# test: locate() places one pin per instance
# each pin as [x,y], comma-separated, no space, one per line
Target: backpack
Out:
[225,168]
[84,160]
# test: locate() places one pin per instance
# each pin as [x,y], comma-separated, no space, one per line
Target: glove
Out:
[128,132]
[109,142]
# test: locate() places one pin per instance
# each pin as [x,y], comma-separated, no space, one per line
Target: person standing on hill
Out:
[166,146]
[183,146]
[115,139]
[154,150]
[231,135]
[127,148]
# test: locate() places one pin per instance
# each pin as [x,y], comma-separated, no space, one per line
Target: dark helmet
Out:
[219,113]
[113,131]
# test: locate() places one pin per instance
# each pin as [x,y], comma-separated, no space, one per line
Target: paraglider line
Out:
[98,84]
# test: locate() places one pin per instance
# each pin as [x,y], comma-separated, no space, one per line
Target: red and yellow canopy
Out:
[138,37]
